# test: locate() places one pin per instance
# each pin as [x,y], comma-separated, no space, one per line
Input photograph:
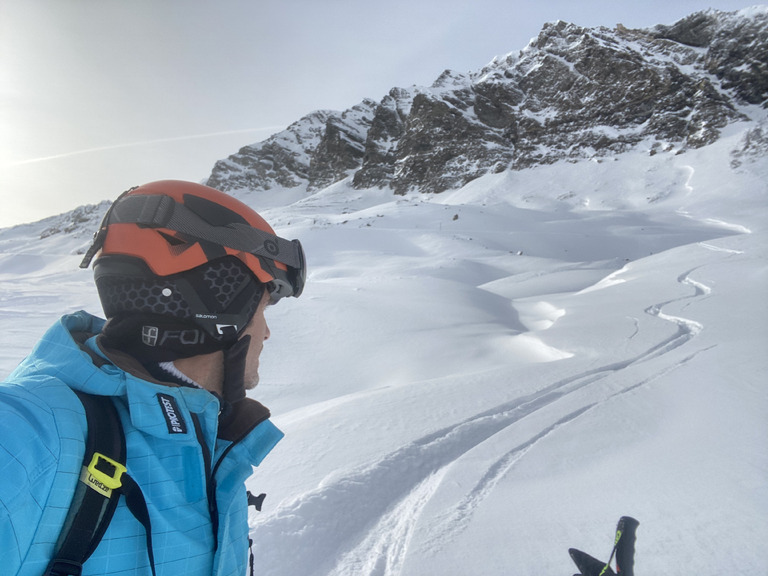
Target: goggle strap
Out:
[160,211]
[101,233]
[98,242]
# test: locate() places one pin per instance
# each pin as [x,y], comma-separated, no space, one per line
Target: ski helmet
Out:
[181,268]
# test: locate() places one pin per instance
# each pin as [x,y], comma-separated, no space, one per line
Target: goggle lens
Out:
[290,282]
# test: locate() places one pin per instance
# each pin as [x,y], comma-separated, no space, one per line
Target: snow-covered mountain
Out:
[572,93]
[478,379]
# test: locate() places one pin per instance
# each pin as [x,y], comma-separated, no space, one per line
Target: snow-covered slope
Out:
[475,381]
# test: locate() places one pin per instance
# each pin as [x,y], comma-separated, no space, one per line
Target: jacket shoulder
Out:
[42,442]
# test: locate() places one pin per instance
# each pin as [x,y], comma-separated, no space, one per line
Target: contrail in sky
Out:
[144,143]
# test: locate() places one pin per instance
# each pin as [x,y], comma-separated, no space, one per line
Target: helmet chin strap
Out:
[234,370]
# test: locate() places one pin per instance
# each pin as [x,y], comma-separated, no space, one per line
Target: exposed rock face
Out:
[572,93]
[342,146]
[280,161]
[736,48]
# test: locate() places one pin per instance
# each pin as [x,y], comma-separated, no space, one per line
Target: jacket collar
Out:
[59,354]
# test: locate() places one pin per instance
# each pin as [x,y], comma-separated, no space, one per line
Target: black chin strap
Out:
[234,370]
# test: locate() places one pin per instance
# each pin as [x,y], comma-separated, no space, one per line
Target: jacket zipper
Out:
[210,481]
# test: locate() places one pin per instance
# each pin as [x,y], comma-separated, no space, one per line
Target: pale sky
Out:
[99,95]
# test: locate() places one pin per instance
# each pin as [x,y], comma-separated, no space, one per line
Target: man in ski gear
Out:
[184,273]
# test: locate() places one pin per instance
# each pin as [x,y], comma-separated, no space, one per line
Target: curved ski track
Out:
[361,524]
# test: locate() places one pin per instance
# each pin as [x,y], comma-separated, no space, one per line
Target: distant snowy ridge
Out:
[573,93]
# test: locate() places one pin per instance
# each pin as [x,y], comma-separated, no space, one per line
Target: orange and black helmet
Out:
[185,257]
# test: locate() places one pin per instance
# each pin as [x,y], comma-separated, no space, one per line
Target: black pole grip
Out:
[625,547]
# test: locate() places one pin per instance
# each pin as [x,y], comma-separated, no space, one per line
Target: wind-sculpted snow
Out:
[366,518]
[612,368]
[475,381]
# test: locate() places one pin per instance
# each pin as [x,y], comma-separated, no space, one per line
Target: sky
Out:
[97,96]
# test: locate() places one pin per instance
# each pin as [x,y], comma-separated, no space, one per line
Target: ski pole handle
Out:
[625,546]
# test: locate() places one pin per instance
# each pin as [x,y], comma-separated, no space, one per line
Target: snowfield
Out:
[475,381]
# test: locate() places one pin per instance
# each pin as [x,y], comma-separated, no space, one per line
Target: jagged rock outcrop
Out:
[736,48]
[342,146]
[572,93]
[283,160]
[753,145]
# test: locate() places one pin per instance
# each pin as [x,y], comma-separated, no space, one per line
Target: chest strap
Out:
[103,478]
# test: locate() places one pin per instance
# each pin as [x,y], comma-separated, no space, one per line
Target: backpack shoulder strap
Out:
[97,492]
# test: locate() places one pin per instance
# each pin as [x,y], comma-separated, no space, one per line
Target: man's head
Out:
[181,270]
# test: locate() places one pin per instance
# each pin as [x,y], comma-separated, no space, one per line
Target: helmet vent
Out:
[134,295]
[225,279]
[212,212]
[172,240]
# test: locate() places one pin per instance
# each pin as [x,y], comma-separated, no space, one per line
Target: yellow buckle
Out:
[100,480]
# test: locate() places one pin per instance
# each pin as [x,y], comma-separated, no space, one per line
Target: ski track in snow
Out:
[687,328]
[460,517]
[375,518]
[371,535]
[719,249]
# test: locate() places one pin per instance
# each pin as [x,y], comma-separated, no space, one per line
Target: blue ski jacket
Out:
[190,468]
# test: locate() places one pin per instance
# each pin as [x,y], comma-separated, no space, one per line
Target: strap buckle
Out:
[103,474]
[64,568]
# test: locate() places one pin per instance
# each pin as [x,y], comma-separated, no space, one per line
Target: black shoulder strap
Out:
[96,494]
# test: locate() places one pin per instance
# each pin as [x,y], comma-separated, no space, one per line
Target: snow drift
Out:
[475,381]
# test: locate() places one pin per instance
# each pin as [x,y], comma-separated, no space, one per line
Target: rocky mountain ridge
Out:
[573,93]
